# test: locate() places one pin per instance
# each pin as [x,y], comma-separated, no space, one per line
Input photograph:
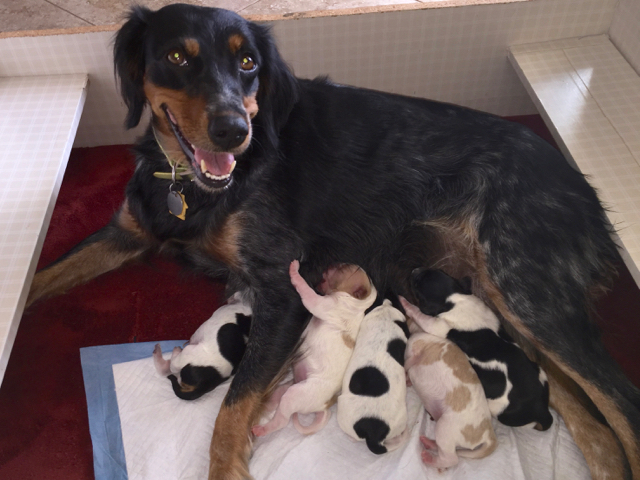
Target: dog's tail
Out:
[374,431]
[318,423]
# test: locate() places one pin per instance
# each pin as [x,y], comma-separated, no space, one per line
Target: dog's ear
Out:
[129,62]
[278,90]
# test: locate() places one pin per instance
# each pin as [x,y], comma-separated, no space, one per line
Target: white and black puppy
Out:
[372,405]
[212,354]
[516,387]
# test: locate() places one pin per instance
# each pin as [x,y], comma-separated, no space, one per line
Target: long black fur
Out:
[341,174]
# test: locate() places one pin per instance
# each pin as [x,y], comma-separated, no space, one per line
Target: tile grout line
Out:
[247,6]
[70,13]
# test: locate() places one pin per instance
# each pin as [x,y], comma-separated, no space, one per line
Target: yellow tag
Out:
[184,207]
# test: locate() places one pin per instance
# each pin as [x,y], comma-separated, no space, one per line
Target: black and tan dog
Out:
[274,168]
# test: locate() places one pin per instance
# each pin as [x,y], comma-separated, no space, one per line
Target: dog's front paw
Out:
[259,430]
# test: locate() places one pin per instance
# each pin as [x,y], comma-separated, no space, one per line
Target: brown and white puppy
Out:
[452,394]
[372,405]
[517,389]
[212,354]
[327,346]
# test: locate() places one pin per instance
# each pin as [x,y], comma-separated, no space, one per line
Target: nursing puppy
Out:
[212,354]
[327,346]
[452,394]
[516,388]
[372,405]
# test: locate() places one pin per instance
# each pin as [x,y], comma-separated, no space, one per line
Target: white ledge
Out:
[589,97]
[39,120]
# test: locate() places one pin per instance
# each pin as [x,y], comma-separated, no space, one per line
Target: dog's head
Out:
[432,289]
[210,78]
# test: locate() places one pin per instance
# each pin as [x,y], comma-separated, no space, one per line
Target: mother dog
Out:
[260,168]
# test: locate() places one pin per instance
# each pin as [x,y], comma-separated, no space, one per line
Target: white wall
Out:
[451,54]
[625,31]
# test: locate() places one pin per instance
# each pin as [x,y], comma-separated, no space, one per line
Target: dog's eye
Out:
[177,57]
[247,64]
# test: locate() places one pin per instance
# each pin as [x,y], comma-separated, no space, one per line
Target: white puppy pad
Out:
[168,438]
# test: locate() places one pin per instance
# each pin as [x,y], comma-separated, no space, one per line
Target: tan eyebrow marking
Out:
[192,46]
[235,42]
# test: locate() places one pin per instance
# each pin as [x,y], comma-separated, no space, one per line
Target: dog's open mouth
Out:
[213,169]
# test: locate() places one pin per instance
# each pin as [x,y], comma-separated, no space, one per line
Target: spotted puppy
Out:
[327,346]
[452,394]
[372,405]
[212,354]
[516,388]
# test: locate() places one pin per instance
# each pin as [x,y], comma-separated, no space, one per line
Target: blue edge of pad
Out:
[102,404]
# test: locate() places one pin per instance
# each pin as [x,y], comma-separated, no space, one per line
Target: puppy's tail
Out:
[318,423]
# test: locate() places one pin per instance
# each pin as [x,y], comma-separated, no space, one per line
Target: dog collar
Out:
[178,172]
[176,202]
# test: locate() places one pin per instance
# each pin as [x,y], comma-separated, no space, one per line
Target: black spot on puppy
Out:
[374,431]
[404,327]
[368,381]
[396,348]
[432,288]
[231,343]
[493,381]
[244,322]
[195,381]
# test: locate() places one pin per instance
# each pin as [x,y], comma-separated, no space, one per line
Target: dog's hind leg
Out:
[601,448]
[567,337]
[121,241]
[278,322]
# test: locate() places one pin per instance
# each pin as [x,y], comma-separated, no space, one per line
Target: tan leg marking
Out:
[598,443]
[231,441]
[86,264]
[223,245]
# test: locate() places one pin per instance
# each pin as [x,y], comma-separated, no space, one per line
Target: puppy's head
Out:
[346,278]
[195,381]
[208,76]
[432,289]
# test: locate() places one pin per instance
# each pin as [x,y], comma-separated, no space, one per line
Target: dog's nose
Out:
[228,131]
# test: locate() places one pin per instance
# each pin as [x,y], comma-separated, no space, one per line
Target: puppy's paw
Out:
[259,430]
[428,444]
[427,457]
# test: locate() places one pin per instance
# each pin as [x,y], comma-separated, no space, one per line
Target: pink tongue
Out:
[215,163]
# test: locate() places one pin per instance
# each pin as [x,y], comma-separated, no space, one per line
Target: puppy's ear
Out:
[129,62]
[278,90]
[466,285]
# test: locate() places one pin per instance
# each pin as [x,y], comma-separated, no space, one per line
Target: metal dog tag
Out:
[177,204]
